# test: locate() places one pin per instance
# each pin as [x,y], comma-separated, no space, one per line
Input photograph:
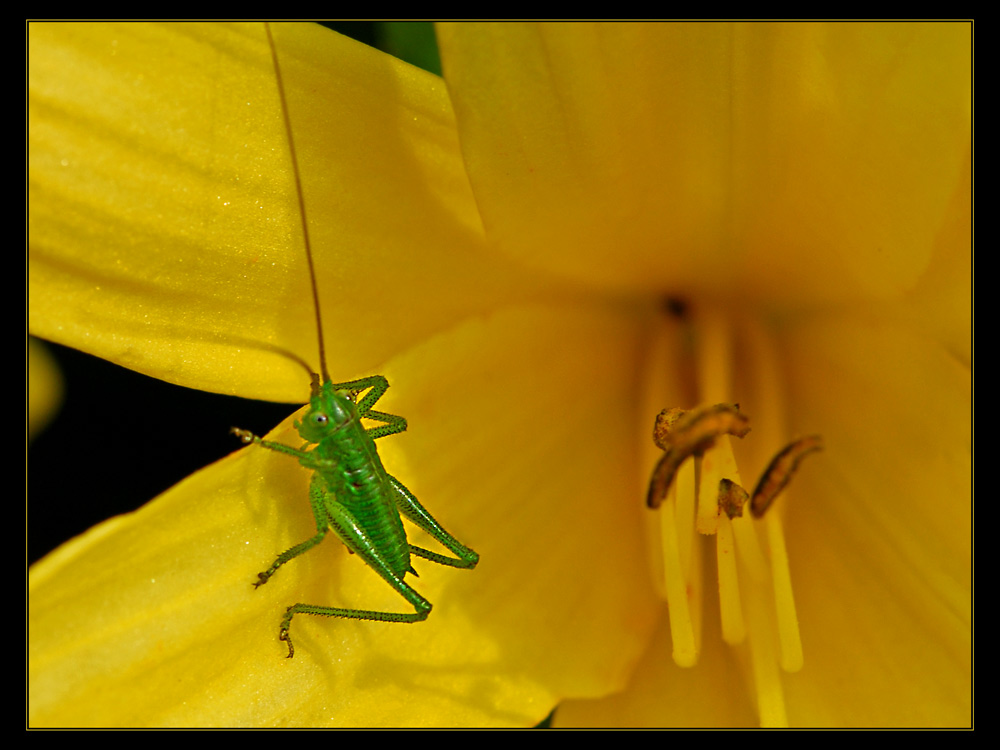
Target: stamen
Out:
[681,627]
[730,609]
[732,498]
[682,434]
[748,544]
[716,465]
[704,495]
[784,600]
[684,510]
[779,472]
[764,358]
[714,356]
[764,660]
[689,544]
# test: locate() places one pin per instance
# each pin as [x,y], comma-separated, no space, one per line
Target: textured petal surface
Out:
[941,302]
[767,158]
[164,226]
[885,542]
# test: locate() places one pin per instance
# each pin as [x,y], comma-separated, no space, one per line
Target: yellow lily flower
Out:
[500,244]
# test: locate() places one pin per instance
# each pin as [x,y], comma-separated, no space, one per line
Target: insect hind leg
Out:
[346,526]
[410,507]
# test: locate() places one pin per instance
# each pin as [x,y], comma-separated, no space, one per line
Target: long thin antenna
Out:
[302,210]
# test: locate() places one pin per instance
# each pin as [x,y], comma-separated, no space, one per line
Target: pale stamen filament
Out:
[731,611]
[764,359]
[756,602]
[681,625]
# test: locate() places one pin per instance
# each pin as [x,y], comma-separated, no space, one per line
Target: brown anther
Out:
[732,498]
[683,434]
[780,471]
[664,425]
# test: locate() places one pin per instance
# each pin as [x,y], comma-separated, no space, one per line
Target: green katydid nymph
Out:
[351,493]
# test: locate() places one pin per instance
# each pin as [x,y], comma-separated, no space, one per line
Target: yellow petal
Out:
[164,228]
[879,532]
[661,694]
[775,157]
[941,303]
[519,442]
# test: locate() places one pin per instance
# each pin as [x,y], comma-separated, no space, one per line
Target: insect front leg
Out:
[306,457]
[392,424]
[376,385]
[410,507]
[248,437]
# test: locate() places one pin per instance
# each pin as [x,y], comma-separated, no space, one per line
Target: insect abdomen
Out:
[359,483]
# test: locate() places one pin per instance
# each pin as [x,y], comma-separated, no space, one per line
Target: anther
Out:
[683,434]
[780,471]
[732,498]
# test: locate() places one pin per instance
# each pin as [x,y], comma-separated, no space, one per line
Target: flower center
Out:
[697,492]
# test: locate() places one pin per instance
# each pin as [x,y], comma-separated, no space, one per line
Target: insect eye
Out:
[320,419]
